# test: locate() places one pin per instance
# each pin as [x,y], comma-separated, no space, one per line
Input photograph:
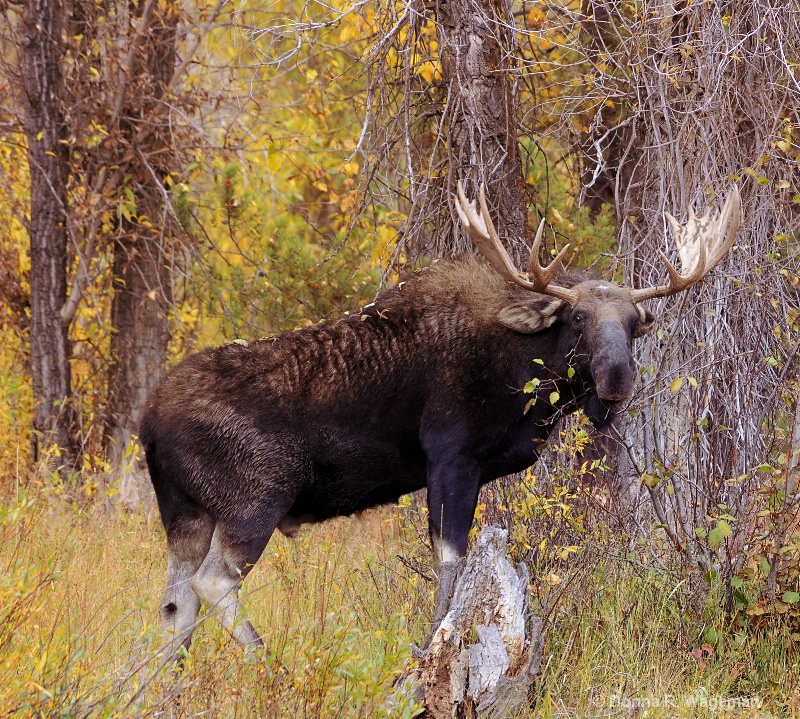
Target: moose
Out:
[424,388]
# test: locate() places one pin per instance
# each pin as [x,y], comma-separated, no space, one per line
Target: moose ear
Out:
[646,322]
[530,316]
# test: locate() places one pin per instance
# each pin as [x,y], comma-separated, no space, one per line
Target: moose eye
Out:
[577,318]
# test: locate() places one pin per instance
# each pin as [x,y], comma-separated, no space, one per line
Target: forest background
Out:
[175,175]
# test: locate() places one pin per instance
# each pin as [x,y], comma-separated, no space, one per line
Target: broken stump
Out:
[485,654]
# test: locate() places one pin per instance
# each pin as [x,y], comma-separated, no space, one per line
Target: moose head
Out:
[601,316]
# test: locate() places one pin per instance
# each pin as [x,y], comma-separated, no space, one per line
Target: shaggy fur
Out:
[423,388]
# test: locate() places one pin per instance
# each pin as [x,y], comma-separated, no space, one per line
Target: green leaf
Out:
[570,372]
[554,397]
[700,532]
[244,343]
[715,538]
[531,386]
[539,361]
[650,480]
[790,597]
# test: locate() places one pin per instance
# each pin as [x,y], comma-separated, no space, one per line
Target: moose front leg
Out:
[452,498]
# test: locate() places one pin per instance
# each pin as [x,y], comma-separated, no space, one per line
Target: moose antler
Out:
[702,242]
[484,236]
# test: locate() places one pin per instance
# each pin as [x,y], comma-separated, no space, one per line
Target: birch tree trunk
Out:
[442,107]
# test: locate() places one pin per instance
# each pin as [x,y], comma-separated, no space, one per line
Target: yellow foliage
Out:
[350,168]
[430,71]
[537,18]
[79,634]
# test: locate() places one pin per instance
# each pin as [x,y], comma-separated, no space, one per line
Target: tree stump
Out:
[482,659]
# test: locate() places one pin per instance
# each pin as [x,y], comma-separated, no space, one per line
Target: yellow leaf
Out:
[349,32]
[676,384]
[351,168]
[426,71]
[273,159]
[537,18]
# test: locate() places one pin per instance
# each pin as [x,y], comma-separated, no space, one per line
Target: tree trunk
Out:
[609,152]
[476,68]
[54,424]
[141,334]
[142,287]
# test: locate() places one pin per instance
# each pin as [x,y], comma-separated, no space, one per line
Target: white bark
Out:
[492,677]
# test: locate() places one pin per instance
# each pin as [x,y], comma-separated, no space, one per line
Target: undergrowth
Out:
[79,591]
[339,609]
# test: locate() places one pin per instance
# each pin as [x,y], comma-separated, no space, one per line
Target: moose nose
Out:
[614,382]
[613,368]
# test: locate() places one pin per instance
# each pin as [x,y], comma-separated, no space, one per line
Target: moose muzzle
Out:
[613,368]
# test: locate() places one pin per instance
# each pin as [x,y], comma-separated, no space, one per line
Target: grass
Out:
[79,590]
[79,610]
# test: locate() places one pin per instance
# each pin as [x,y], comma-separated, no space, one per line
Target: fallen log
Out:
[482,658]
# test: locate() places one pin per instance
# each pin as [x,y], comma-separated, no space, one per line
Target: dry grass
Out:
[80,605]
[79,590]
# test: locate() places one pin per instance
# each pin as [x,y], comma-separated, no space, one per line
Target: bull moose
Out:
[424,388]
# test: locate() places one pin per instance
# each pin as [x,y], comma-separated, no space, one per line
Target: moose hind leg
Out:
[220,577]
[188,540]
